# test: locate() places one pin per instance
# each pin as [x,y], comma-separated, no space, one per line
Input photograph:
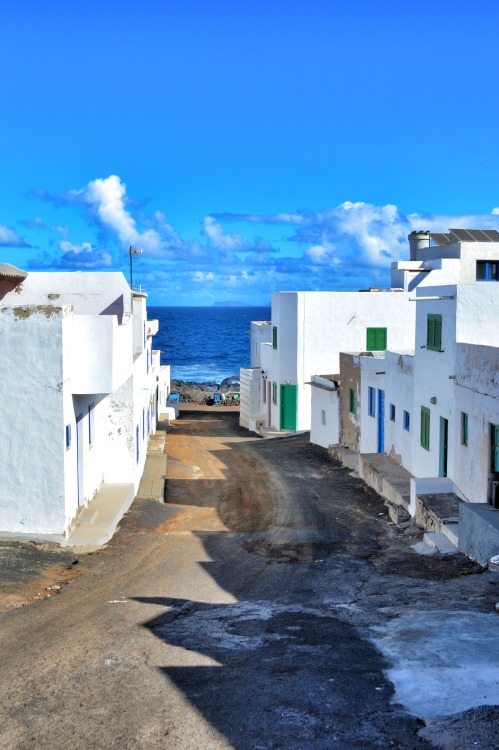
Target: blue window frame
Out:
[487,270]
[392,412]
[68,436]
[407,421]
[372,401]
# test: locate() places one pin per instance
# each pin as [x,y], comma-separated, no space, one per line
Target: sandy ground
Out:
[268,604]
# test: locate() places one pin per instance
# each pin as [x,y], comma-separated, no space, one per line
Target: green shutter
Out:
[274,393]
[274,337]
[353,401]
[434,333]
[425,428]
[376,339]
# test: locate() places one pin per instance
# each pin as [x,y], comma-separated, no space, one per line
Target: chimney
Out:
[417,242]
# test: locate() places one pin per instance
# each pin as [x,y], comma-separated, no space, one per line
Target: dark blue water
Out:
[205,343]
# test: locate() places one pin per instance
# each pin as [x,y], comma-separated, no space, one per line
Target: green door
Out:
[288,407]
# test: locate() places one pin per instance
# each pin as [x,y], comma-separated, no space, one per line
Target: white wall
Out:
[93,293]
[325,426]
[313,327]
[399,391]
[32,435]
[101,353]
[476,392]
[261,333]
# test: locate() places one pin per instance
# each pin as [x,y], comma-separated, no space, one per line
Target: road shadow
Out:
[280,673]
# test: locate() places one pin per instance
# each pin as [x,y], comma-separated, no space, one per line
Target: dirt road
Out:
[268,604]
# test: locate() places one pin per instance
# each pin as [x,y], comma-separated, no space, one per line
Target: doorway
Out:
[288,407]
[79,458]
[444,437]
[381,421]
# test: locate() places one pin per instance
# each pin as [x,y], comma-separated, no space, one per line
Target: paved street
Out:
[268,604]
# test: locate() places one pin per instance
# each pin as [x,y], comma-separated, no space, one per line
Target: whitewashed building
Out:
[308,331]
[435,409]
[80,388]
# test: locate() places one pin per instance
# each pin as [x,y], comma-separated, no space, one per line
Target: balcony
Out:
[101,353]
[152,327]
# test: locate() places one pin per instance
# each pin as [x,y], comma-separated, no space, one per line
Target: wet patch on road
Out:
[289,677]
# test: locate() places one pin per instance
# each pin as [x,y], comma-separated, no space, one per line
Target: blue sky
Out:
[247,147]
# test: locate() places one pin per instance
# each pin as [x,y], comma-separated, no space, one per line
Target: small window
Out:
[372,401]
[487,270]
[392,412]
[323,416]
[274,337]
[407,421]
[434,333]
[425,428]
[464,428]
[91,424]
[68,436]
[376,339]
[274,393]
[353,401]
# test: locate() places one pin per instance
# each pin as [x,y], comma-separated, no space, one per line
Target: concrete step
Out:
[440,542]
[97,523]
[451,531]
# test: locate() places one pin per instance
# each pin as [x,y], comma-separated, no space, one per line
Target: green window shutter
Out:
[274,393]
[274,337]
[425,428]
[371,339]
[353,401]
[434,333]
[376,339]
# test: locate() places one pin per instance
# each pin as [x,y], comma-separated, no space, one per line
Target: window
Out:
[464,428]
[68,436]
[487,270]
[392,412]
[323,416]
[434,333]
[137,450]
[372,401]
[376,339]
[353,402]
[91,424]
[274,393]
[425,428]
[274,337]
[407,421]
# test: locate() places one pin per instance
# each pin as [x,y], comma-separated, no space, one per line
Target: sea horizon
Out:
[205,343]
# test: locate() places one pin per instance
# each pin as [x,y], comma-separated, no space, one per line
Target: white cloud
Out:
[83,256]
[9,238]
[229,241]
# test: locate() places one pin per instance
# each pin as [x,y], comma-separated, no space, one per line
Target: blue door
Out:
[381,421]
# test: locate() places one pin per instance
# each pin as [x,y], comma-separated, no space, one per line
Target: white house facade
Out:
[309,329]
[79,389]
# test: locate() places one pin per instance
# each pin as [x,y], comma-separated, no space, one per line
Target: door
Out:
[381,421]
[288,406]
[444,436]
[79,458]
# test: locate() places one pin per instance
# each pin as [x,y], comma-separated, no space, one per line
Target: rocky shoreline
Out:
[199,392]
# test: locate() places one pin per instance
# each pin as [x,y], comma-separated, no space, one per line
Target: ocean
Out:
[204,344]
